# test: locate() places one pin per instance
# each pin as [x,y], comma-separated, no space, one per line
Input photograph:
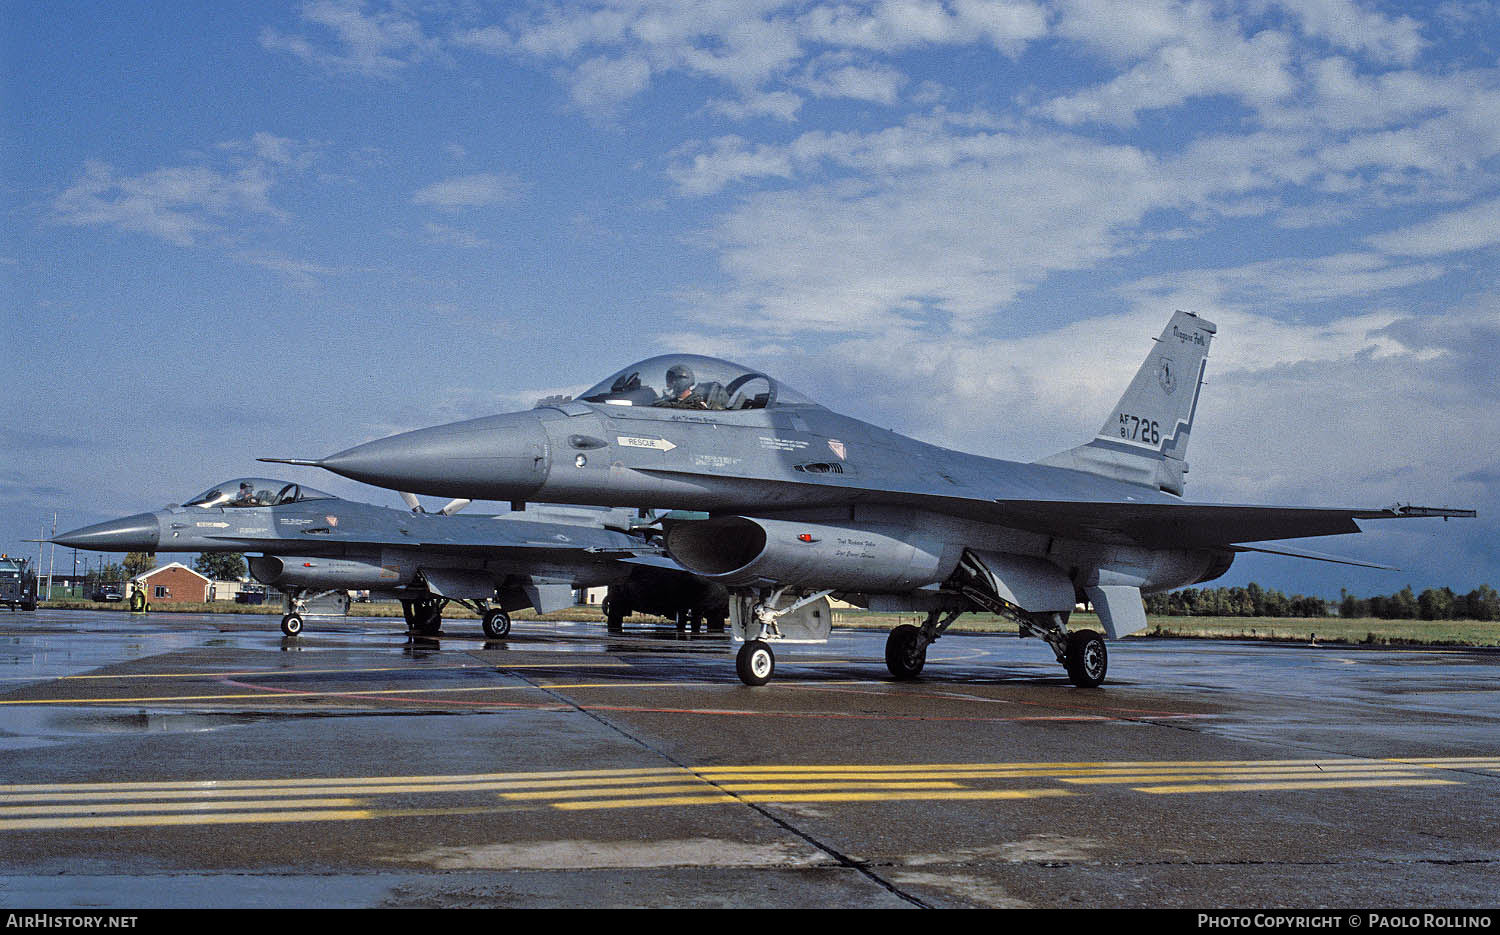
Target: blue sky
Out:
[281,229]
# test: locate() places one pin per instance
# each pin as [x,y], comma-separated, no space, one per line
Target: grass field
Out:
[1363,630]
[1366,631]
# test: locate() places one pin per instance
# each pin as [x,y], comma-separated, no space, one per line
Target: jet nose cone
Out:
[495,458]
[138,533]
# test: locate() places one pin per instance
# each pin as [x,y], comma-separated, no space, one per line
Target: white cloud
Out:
[729,159]
[377,44]
[177,204]
[947,245]
[600,85]
[1219,61]
[463,192]
[899,24]
[1472,228]
[838,76]
[448,235]
[760,50]
[1282,282]
[1347,25]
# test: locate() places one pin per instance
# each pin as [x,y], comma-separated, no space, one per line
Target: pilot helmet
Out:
[679,379]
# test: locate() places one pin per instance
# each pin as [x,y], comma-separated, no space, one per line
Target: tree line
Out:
[1482,603]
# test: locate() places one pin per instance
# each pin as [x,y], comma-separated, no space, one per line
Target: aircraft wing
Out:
[325,539]
[1192,525]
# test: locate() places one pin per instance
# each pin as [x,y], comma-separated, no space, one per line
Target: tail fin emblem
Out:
[1167,376]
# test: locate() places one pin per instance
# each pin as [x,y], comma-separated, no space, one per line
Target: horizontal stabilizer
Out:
[1193,525]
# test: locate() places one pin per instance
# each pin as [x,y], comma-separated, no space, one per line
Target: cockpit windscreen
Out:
[255,491]
[692,381]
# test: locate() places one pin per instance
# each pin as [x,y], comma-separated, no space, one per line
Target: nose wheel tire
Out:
[1087,659]
[291,624]
[904,653]
[496,624]
[755,663]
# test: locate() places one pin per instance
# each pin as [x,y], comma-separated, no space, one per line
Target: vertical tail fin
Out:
[1144,440]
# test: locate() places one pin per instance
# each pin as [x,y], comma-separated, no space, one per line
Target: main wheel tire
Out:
[1087,658]
[496,624]
[614,615]
[904,654]
[291,624]
[755,663]
[424,615]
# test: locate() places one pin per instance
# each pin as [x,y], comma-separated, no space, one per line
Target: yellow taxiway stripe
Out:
[158,807]
[153,821]
[1292,785]
[769,798]
[333,781]
[238,801]
[1238,775]
[271,694]
[726,787]
[273,673]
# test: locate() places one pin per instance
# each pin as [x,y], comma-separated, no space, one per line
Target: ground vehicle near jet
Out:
[15,585]
[313,543]
[807,502]
[693,602]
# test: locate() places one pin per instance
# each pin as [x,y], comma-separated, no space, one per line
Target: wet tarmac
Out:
[173,760]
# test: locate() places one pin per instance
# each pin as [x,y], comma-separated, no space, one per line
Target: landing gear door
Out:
[810,623]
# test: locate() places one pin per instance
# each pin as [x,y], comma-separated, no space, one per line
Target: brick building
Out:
[172,584]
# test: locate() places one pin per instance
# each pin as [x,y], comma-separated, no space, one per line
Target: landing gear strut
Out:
[424,615]
[906,647]
[1081,652]
[755,662]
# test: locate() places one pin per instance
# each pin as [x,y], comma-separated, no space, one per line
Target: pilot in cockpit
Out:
[246,496]
[683,392]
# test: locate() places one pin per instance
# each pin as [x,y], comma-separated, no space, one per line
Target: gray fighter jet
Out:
[806,502]
[313,543]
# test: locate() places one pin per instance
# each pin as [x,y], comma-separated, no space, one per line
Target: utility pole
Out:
[52,565]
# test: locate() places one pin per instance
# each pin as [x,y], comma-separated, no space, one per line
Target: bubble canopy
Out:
[692,381]
[255,491]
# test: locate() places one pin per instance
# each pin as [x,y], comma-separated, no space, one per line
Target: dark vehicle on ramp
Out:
[17,589]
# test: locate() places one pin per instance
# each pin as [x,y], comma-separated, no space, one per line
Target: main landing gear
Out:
[906,647]
[1082,652]
[496,623]
[424,616]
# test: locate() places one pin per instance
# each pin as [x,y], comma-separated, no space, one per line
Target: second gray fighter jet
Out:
[314,543]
